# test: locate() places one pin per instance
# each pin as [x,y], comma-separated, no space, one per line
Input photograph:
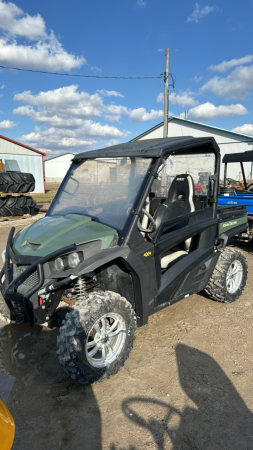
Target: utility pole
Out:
[166,94]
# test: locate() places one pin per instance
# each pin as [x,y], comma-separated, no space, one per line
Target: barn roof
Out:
[22,145]
[59,156]
[171,119]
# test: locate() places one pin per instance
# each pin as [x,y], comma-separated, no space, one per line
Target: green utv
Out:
[133,228]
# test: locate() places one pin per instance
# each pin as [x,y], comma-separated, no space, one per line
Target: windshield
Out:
[107,189]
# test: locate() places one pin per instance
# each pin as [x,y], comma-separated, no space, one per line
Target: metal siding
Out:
[10,147]
[58,167]
[29,164]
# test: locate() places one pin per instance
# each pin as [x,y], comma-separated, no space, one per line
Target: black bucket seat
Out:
[179,202]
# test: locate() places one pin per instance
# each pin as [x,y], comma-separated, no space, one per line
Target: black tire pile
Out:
[16,206]
[16,182]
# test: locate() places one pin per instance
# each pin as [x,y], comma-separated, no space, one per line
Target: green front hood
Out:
[55,232]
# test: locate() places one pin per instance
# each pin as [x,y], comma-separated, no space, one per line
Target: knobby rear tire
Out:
[217,287]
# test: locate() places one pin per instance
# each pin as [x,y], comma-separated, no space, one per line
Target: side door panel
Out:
[189,274]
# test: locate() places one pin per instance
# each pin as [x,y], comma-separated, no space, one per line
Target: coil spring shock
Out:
[80,288]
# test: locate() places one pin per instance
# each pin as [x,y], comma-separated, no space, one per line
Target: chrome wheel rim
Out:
[234,276]
[105,340]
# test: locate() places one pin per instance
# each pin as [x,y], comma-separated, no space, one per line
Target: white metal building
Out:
[29,160]
[228,141]
[56,168]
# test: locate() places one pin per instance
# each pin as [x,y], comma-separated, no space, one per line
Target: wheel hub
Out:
[234,276]
[105,340]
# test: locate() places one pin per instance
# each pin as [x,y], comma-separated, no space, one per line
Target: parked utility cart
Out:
[230,195]
[125,237]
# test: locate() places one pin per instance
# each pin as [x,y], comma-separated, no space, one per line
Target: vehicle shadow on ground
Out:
[50,410]
[246,246]
[219,420]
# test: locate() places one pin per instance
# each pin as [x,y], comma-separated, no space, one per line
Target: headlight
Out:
[66,262]
[59,265]
[73,260]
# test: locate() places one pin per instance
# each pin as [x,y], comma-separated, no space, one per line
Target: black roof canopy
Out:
[151,148]
[238,157]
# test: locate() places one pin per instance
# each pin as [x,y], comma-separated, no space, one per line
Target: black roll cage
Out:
[237,157]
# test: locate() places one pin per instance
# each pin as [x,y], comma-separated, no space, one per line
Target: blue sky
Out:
[211,57]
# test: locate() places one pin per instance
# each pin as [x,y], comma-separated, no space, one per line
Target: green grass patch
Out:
[50,191]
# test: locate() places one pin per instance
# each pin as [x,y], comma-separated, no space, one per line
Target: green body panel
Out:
[229,224]
[56,232]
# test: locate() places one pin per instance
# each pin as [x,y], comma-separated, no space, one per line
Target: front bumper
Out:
[22,289]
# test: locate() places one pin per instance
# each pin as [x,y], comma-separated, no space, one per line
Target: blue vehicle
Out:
[230,196]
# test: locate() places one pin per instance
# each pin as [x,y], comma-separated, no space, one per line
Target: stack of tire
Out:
[19,183]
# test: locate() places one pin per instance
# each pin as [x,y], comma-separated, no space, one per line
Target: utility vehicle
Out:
[125,236]
[229,195]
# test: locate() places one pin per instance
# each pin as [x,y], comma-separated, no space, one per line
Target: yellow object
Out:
[7,428]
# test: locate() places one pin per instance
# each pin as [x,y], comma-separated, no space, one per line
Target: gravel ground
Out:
[186,386]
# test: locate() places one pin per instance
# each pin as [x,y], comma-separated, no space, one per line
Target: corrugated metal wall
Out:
[56,168]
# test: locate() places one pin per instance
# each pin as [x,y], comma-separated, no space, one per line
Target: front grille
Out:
[31,280]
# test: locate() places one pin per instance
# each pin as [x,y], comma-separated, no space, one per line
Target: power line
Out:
[79,75]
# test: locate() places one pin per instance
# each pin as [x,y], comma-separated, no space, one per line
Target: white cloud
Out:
[141,3]
[60,139]
[208,111]
[98,130]
[67,113]
[114,112]
[199,13]
[66,107]
[226,65]
[236,85]
[106,93]
[116,109]
[3,86]
[97,69]
[160,98]
[46,52]
[247,129]
[7,124]
[47,118]
[63,102]
[197,79]
[113,117]
[16,22]
[183,98]
[140,115]
[111,142]
[160,50]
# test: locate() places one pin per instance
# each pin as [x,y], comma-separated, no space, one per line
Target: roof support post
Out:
[225,174]
[243,175]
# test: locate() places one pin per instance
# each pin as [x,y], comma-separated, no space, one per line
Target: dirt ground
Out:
[186,386]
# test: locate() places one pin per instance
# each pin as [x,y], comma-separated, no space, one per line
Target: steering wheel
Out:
[152,225]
